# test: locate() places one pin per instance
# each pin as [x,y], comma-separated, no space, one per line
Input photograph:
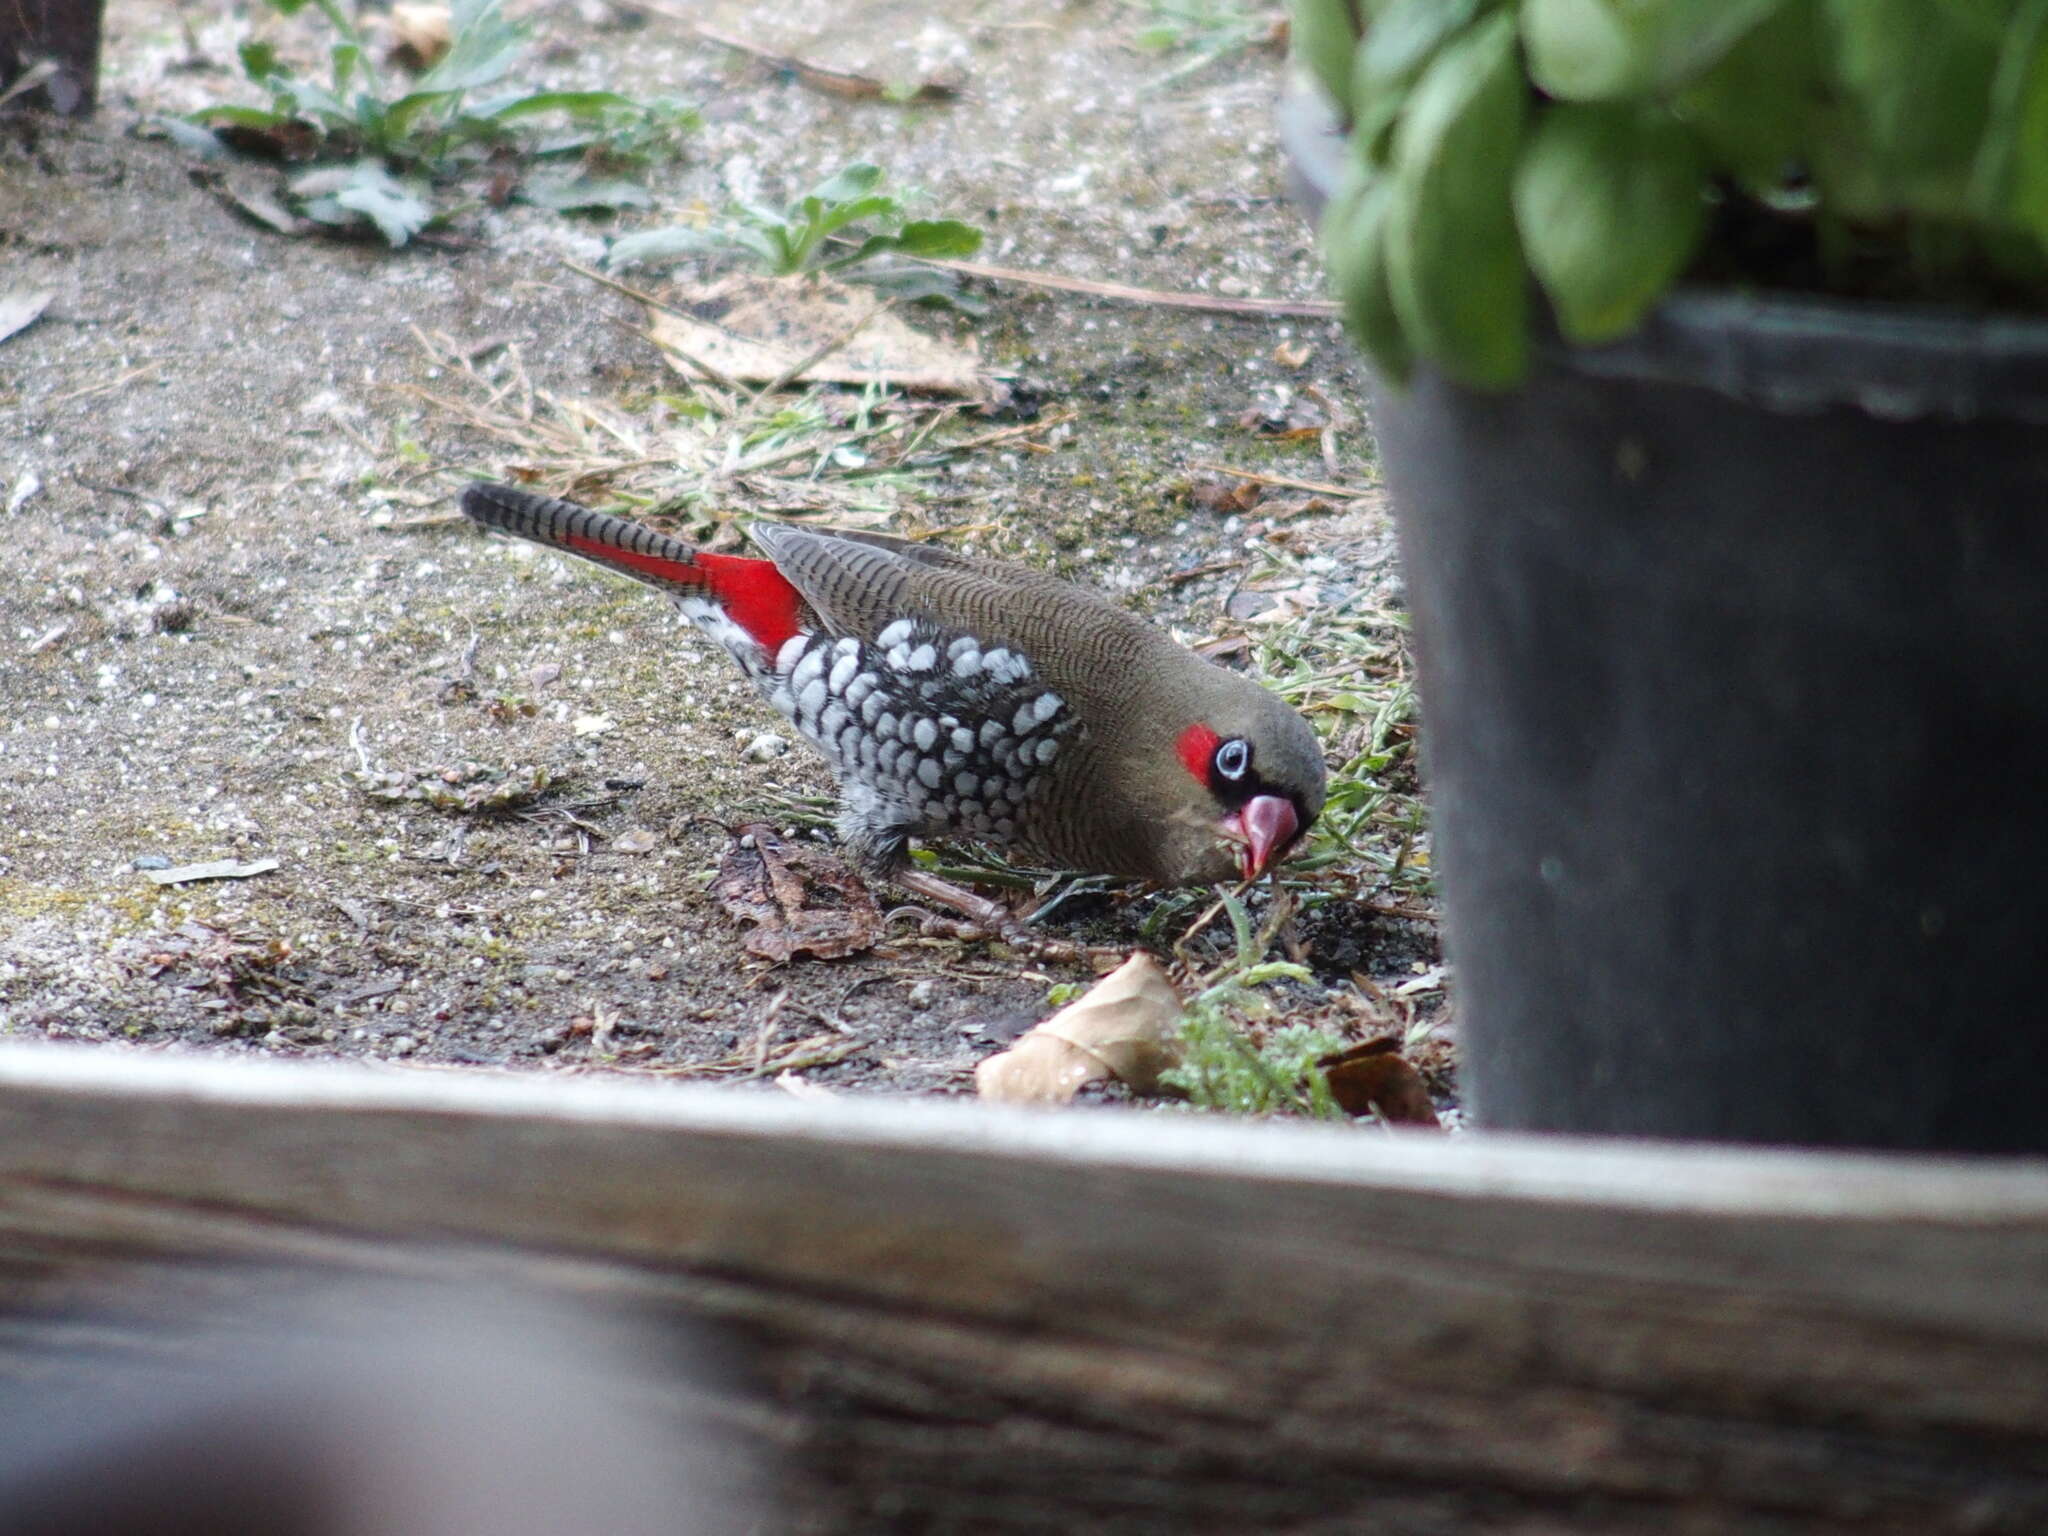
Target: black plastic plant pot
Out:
[1733,654]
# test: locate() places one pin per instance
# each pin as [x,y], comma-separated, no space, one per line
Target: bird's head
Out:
[1245,783]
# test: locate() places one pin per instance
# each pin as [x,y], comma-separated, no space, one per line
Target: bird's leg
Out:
[987,914]
[991,917]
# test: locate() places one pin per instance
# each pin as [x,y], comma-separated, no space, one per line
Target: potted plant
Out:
[1711,384]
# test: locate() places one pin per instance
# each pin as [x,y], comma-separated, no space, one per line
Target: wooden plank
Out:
[1001,1321]
[63,38]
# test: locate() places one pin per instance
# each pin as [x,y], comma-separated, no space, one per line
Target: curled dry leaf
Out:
[1123,1027]
[20,309]
[217,869]
[420,36]
[800,900]
[1376,1078]
[471,788]
[1225,496]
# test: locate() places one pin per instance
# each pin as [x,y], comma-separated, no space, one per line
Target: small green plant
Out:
[1200,33]
[845,225]
[1223,1066]
[1610,148]
[383,150]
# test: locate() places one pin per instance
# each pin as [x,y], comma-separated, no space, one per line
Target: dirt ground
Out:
[229,579]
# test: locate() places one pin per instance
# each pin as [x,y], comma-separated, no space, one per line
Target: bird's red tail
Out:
[754,594]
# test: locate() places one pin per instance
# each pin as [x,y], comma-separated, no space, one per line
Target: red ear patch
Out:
[1197,747]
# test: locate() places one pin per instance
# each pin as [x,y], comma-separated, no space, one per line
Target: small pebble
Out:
[921,994]
[150,861]
[404,1045]
[763,747]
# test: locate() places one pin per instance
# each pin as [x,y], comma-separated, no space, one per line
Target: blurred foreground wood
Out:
[961,1320]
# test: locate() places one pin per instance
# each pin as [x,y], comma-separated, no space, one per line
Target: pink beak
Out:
[1266,826]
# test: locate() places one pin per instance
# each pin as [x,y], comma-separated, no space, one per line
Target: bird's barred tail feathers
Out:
[752,594]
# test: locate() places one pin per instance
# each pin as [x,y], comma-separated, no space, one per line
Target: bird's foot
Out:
[985,918]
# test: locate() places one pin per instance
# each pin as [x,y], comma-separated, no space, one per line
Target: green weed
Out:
[1199,33]
[845,225]
[1226,1065]
[386,152]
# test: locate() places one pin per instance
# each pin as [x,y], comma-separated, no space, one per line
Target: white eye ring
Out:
[1233,759]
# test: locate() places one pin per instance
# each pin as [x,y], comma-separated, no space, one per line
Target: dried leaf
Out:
[420,36]
[20,309]
[218,869]
[1225,496]
[1292,354]
[1122,1027]
[763,329]
[474,787]
[1285,420]
[801,900]
[1375,1078]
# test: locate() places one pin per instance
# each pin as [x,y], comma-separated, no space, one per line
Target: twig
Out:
[1000,435]
[784,455]
[834,82]
[1213,303]
[1197,572]
[640,295]
[818,354]
[1316,487]
[1394,909]
[106,386]
[101,489]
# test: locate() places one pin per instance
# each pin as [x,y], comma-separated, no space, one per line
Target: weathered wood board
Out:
[972,1320]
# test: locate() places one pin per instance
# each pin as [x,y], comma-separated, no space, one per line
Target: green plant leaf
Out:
[919,285]
[401,114]
[189,136]
[856,180]
[313,102]
[939,238]
[1405,36]
[1454,265]
[1919,87]
[259,60]
[1322,34]
[2009,183]
[1354,248]
[575,103]
[1397,47]
[343,60]
[481,48]
[287,7]
[398,210]
[262,119]
[1603,50]
[1755,110]
[823,218]
[651,247]
[1610,201]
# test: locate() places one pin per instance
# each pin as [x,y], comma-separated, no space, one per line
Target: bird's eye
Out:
[1234,758]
